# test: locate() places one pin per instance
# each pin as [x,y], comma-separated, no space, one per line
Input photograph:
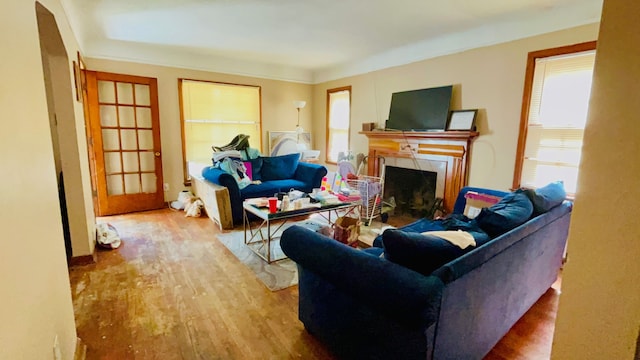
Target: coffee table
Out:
[260,242]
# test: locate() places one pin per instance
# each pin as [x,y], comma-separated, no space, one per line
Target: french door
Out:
[125,142]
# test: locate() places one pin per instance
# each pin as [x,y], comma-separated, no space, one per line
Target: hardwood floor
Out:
[172,291]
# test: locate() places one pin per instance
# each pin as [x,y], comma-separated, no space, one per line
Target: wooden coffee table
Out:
[259,241]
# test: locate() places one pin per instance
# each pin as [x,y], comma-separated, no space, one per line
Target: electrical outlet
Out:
[57,355]
[165,186]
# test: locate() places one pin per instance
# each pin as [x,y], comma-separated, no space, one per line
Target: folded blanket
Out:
[219,156]
[459,238]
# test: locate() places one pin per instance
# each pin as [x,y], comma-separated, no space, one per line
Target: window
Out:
[338,121]
[213,114]
[555,106]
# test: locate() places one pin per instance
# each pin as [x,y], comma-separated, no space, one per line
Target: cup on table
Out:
[273,204]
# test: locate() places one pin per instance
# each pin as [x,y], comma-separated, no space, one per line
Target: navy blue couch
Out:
[364,306]
[277,174]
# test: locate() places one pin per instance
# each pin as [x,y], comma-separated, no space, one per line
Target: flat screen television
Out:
[420,110]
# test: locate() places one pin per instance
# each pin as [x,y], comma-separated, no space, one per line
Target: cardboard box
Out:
[368,126]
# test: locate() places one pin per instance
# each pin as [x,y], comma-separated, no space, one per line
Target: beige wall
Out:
[59,49]
[490,79]
[599,311]
[36,300]
[278,113]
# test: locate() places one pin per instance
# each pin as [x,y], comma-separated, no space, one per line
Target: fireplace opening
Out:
[410,192]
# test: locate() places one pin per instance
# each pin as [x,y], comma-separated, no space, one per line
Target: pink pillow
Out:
[247,165]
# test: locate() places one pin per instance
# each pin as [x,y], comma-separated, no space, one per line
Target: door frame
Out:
[106,204]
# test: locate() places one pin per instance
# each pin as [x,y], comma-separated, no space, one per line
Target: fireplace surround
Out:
[445,153]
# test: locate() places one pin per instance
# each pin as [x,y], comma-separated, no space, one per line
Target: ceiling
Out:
[308,41]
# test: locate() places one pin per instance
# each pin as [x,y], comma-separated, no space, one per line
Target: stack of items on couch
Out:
[417,295]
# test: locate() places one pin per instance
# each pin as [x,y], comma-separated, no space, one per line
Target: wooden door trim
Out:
[526,97]
[114,204]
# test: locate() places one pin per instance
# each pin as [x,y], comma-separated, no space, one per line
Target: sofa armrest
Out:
[374,281]
[311,174]
[222,178]
[217,176]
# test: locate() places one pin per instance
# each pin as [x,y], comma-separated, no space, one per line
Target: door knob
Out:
[157,154]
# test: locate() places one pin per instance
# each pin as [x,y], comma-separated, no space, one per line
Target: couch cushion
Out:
[288,184]
[514,209]
[279,167]
[374,251]
[422,253]
[267,188]
[256,168]
[547,197]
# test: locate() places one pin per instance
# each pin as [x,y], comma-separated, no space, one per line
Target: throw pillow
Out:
[546,197]
[513,210]
[256,168]
[280,167]
[249,168]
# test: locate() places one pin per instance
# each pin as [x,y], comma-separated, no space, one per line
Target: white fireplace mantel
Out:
[450,148]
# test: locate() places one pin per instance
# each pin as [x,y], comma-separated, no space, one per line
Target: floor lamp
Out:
[299,104]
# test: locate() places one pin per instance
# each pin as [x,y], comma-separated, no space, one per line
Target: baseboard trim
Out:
[84,259]
[81,350]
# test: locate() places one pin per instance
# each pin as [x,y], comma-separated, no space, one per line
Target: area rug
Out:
[283,273]
[275,276]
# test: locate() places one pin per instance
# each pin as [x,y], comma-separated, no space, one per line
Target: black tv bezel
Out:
[445,114]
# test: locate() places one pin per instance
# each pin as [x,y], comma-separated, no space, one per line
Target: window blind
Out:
[557,116]
[214,113]
[338,124]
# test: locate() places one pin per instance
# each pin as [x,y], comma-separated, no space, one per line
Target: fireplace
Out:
[412,192]
[445,153]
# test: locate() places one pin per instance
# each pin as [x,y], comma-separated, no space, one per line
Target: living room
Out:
[494,86]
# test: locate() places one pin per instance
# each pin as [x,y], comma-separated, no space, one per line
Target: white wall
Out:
[599,311]
[34,282]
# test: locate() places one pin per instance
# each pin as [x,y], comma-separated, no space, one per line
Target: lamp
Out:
[299,104]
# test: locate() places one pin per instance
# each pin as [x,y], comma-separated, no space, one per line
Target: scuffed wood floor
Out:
[172,291]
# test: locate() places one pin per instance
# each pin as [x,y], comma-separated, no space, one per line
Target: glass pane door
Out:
[127,137]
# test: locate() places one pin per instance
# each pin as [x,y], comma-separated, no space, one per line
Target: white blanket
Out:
[461,239]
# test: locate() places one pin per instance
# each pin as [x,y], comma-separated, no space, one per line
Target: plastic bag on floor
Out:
[107,236]
[194,208]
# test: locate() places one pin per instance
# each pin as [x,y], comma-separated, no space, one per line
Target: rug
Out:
[283,273]
[275,276]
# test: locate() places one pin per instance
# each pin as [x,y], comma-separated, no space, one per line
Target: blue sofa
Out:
[364,306]
[277,174]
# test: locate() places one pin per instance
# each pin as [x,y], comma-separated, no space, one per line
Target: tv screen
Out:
[420,110]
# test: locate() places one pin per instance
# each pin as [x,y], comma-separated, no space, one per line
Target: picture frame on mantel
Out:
[462,120]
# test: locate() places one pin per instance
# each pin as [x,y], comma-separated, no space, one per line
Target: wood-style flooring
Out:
[172,291]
